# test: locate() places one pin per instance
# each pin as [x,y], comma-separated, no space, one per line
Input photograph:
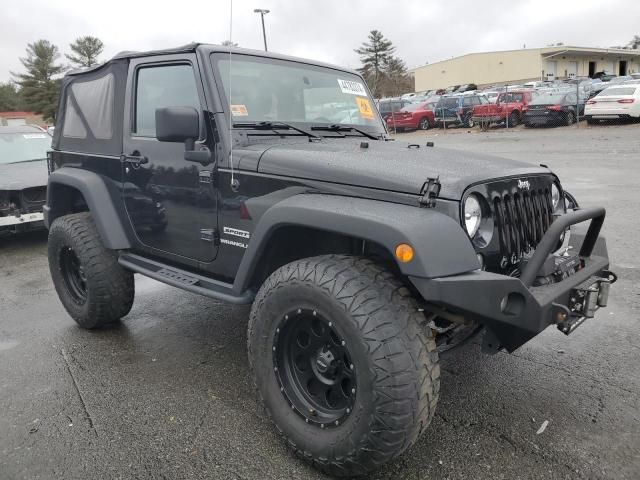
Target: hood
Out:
[392,166]
[21,175]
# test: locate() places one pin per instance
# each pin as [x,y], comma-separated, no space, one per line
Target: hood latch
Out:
[430,192]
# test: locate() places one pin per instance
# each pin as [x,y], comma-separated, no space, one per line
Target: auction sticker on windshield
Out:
[34,135]
[239,110]
[352,88]
[365,108]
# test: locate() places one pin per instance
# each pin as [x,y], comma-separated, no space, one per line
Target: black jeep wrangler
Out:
[251,177]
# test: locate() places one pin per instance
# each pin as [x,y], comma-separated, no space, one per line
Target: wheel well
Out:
[63,200]
[291,243]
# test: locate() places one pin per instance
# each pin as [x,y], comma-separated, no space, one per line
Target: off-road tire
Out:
[109,287]
[396,361]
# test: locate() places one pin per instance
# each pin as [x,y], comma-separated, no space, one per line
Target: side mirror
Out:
[181,124]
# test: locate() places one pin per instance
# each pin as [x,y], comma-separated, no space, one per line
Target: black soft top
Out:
[90,113]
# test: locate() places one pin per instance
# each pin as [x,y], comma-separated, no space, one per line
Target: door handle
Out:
[135,159]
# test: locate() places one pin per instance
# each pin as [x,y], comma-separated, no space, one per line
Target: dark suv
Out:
[457,109]
[220,171]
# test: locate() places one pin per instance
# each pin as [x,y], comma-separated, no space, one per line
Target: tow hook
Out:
[584,301]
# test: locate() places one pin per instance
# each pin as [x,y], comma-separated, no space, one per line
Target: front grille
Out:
[32,199]
[521,220]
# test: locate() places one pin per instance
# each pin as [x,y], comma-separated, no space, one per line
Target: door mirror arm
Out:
[202,156]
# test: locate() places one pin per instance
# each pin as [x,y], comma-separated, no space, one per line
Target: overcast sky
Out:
[423,31]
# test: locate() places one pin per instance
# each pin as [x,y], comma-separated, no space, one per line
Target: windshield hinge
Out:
[430,191]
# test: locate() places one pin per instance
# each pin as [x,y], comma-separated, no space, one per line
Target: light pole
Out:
[262,13]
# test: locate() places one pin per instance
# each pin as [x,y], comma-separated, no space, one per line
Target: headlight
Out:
[555,196]
[472,215]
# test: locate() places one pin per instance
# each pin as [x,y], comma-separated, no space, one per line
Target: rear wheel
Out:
[341,362]
[90,283]
[424,124]
[570,118]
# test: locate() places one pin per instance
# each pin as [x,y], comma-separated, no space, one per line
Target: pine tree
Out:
[397,80]
[9,97]
[635,42]
[85,51]
[229,43]
[40,85]
[375,55]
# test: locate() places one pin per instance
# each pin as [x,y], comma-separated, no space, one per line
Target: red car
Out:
[414,116]
[511,105]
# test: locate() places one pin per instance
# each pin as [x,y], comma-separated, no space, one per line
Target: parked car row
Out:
[533,104]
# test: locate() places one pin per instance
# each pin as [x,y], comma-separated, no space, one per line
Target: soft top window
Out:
[89,108]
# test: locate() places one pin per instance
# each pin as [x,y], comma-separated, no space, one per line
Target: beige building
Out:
[518,66]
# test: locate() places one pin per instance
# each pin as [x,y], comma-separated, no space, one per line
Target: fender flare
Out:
[99,194]
[441,246]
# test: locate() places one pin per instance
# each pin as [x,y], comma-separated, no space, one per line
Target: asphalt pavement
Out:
[167,394]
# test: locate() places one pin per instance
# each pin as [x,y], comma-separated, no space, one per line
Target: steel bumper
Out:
[512,309]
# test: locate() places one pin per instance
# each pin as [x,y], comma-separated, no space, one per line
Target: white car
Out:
[619,101]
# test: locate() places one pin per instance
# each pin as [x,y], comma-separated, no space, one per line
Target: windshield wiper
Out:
[345,128]
[30,160]
[266,125]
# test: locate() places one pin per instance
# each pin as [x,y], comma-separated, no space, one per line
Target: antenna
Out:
[234,183]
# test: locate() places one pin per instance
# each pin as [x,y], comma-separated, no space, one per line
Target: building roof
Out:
[16,114]
[548,51]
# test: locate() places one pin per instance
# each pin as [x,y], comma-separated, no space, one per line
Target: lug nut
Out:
[314,313]
[343,343]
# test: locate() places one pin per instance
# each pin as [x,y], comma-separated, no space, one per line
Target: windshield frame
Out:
[378,129]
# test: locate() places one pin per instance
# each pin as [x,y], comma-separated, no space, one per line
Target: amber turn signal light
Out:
[404,253]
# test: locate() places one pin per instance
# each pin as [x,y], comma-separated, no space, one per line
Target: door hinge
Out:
[430,192]
[204,176]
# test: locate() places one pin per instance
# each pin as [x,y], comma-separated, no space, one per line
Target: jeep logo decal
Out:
[524,184]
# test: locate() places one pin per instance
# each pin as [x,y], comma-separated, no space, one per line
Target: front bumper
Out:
[488,118]
[514,310]
[26,218]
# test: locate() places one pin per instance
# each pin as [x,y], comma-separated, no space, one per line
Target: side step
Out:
[186,280]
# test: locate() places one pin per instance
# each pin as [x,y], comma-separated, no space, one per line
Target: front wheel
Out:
[340,360]
[93,288]
[514,119]
[469,123]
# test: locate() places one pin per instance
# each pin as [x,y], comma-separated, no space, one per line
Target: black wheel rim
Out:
[73,275]
[314,369]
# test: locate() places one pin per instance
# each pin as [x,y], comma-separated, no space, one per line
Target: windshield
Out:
[272,90]
[22,147]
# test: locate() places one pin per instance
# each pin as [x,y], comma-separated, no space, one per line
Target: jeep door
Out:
[171,202]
